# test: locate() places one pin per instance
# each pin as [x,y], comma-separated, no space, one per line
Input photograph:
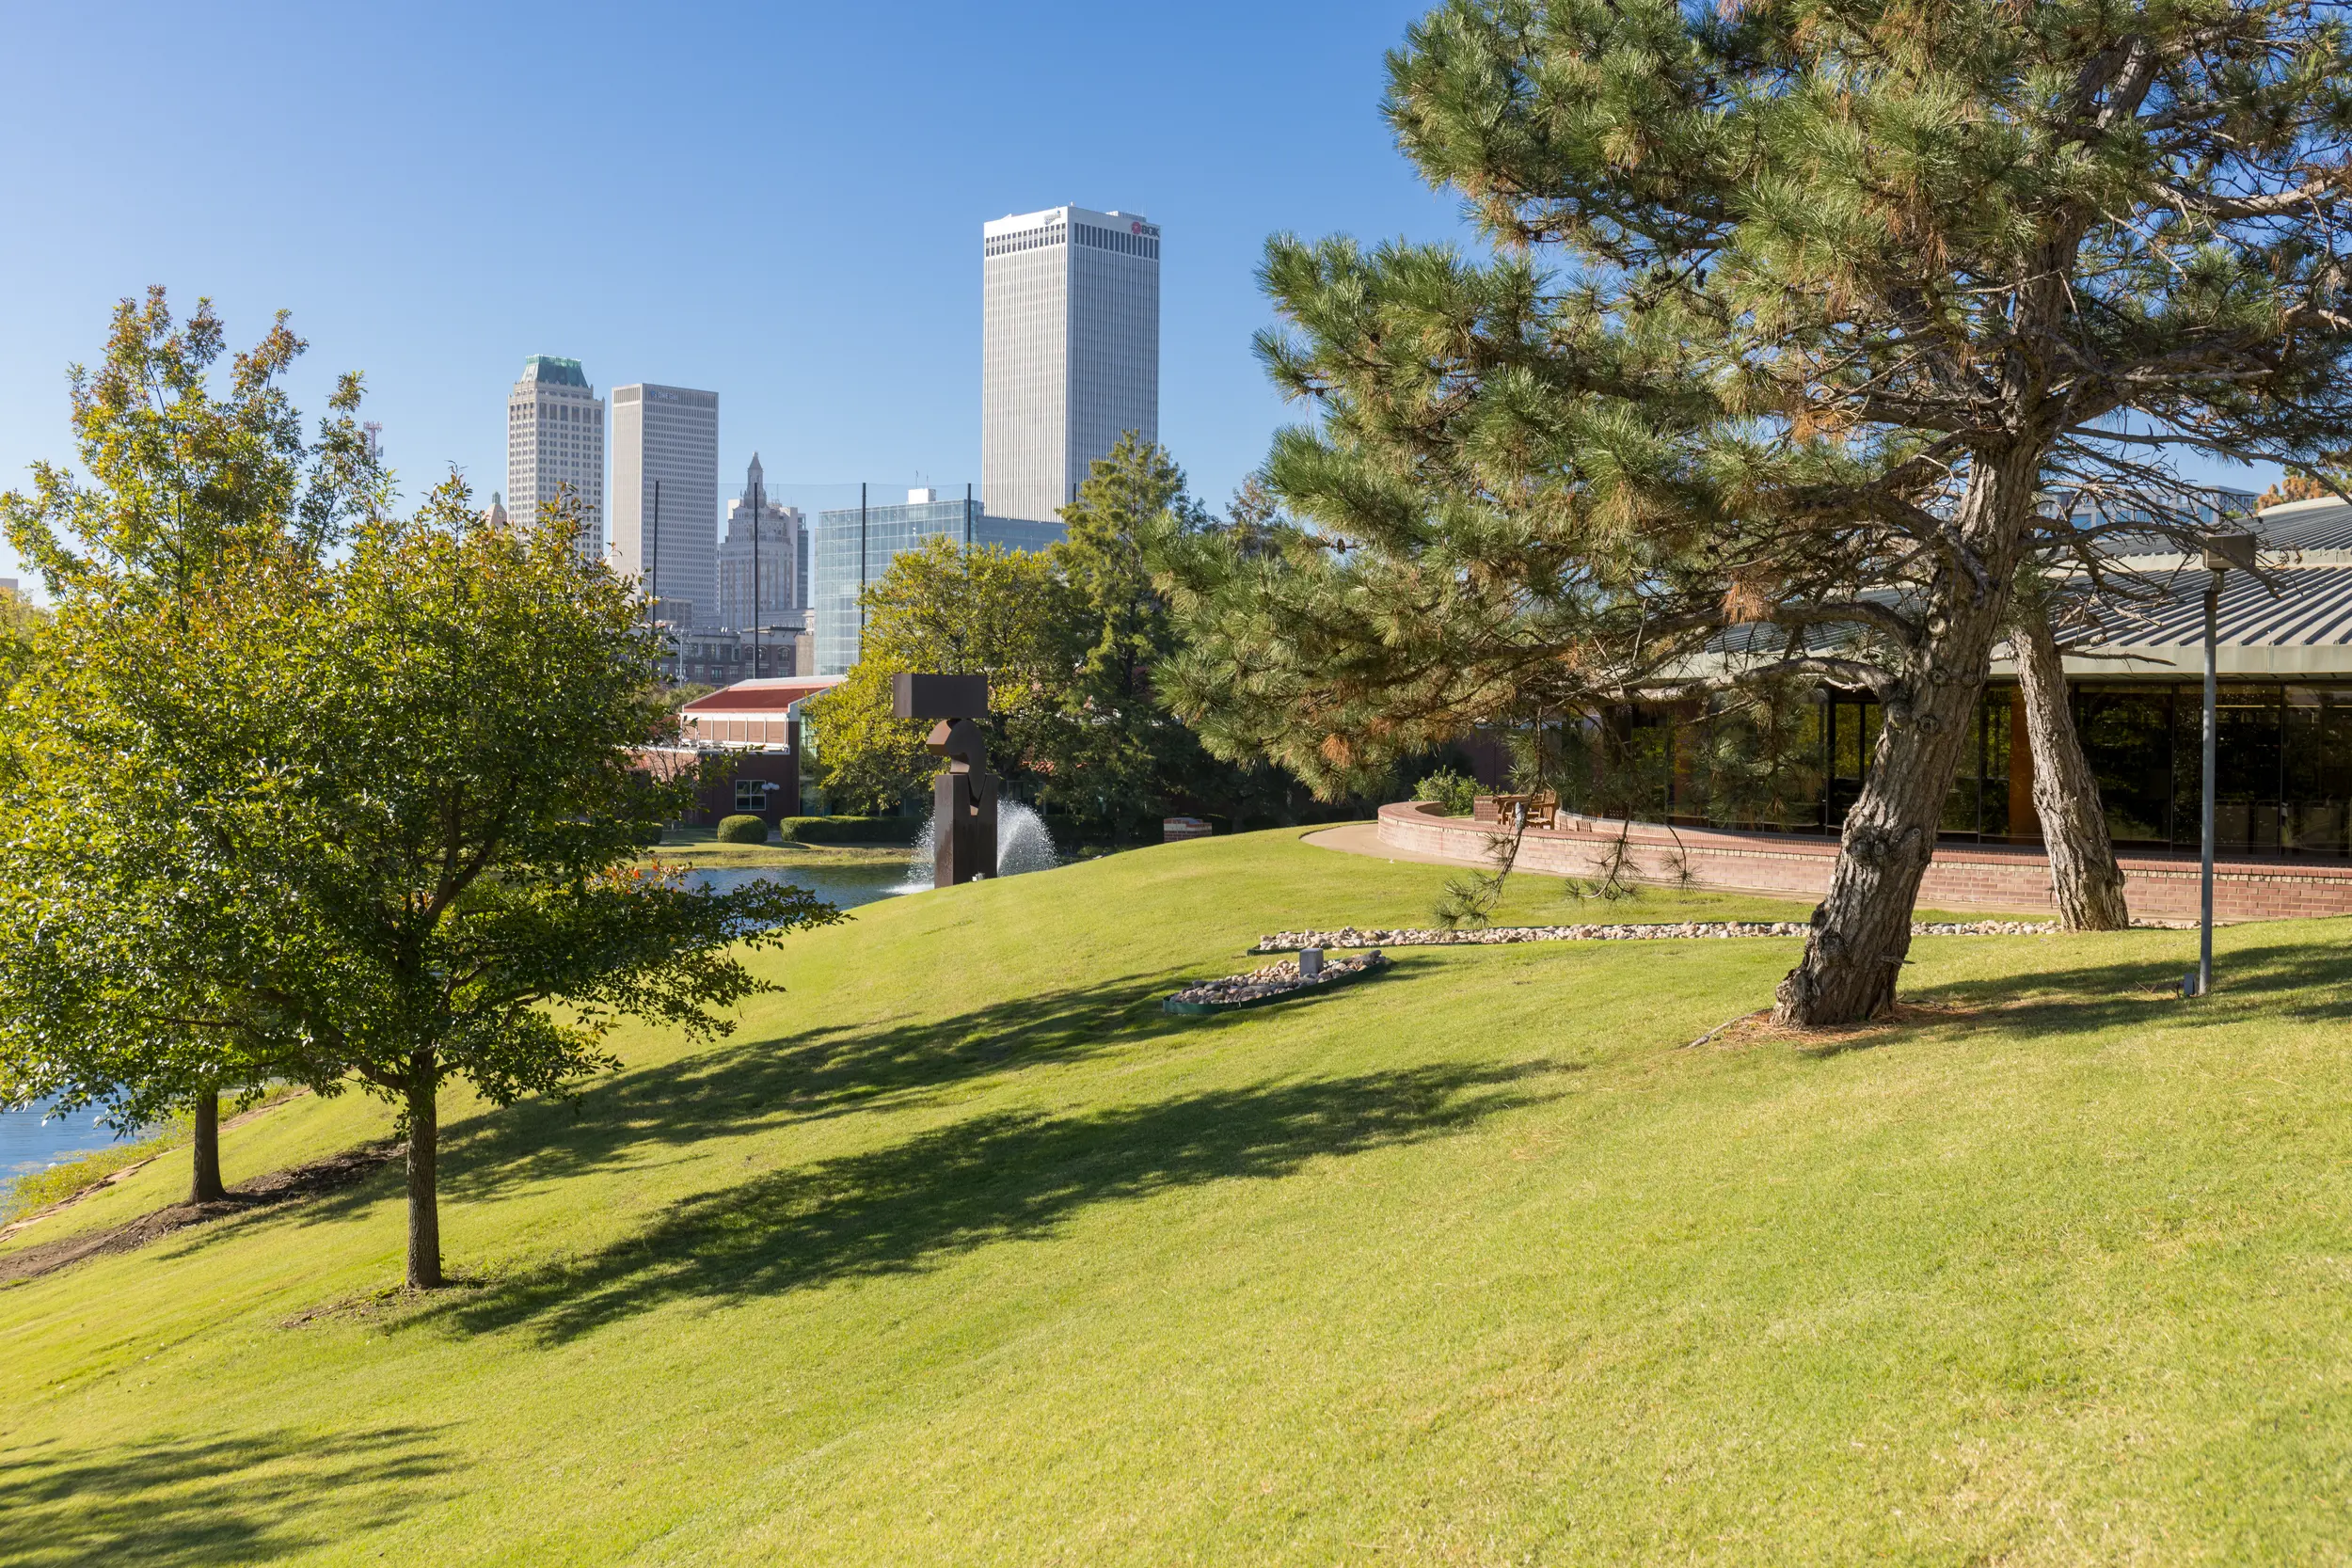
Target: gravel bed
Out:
[1350,937]
[1275,979]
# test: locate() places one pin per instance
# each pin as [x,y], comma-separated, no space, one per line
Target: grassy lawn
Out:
[959,1251]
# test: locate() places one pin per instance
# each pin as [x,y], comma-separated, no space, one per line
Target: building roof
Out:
[548,369]
[2325,524]
[748,699]
[2292,618]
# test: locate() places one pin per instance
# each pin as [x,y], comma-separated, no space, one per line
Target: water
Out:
[1023,843]
[28,1144]
[844,887]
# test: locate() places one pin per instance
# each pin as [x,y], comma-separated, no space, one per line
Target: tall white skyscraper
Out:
[1069,350]
[668,436]
[554,437]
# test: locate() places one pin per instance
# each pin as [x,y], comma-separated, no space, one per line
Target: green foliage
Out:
[849,830]
[331,803]
[1069,639]
[742,830]
[944,608]
[1455,793]
[1775,356]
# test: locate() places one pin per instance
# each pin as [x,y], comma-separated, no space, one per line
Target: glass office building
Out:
[855,545]
[2282,718]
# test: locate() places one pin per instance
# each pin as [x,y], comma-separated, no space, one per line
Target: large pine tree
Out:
[1799,314]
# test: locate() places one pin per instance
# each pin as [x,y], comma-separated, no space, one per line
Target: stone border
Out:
[1496,936]
[1263,988]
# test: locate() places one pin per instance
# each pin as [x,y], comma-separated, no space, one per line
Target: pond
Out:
[845,887]
[28,1145]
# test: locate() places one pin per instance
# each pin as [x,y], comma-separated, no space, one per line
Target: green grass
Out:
[961,1252]
[38,1190]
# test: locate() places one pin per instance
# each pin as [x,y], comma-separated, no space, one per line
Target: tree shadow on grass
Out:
[174,1501]
[2297,982]
[821,1073]
[1004,1176]
[808,1075]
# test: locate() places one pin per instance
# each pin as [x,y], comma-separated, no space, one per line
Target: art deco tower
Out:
[554,437]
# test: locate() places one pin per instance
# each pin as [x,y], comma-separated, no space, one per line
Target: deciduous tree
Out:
[181,472]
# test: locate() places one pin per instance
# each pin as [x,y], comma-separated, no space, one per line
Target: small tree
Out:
[343,805]
[179,476]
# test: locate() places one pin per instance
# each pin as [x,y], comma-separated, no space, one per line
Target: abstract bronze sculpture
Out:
[963,799]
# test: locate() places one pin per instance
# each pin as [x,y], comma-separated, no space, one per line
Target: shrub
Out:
[742,830]
[849,830]
[1449,789]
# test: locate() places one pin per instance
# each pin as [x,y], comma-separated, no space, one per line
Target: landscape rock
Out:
[1291,942]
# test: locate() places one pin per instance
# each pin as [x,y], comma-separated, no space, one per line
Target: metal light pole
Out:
[760,508]
[2222,551]
[653,576]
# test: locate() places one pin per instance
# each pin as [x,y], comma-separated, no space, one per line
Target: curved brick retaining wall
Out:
[1976,876]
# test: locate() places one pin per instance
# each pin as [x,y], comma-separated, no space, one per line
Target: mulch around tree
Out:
[277,1190]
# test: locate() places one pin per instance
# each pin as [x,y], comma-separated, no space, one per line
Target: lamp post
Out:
[760,508]
[2222,551]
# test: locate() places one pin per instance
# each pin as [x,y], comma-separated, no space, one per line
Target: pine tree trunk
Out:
[2085,881]
[424,1209]
[204,1185]
[1862,927]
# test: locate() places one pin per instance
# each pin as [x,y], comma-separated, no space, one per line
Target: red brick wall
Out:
[1988,875]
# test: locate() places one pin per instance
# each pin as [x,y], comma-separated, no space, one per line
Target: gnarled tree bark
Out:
[1861,934]
[2085,883]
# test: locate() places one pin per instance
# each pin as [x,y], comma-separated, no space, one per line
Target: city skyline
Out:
[838,237]
[836,240]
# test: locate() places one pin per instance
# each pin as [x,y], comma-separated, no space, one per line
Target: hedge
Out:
[744,829]
[849,830]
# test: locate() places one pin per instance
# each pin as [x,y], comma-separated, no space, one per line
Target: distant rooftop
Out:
[559,373]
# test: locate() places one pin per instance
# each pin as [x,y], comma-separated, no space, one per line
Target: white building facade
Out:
[665,497]
[554,439]
[1069,351]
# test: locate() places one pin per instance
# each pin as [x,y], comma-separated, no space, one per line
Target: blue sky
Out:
[781,203]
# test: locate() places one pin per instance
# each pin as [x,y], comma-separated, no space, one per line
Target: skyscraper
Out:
[782,590]
[1069,350]
[554,437]
[668,436]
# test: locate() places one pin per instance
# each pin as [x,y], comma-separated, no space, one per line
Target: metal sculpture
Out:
[963,799]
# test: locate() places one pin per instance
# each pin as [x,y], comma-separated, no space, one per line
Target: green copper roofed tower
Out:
[555,437]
